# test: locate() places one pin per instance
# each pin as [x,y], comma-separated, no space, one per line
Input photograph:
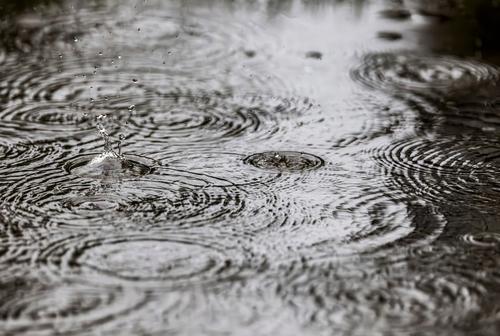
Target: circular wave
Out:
[406,72]
[338,216]
[29,306]
[182,116]
[188,117]
[446,171]
[164,199]
[145,261]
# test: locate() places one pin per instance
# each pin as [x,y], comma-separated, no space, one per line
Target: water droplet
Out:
[314,54]
[134,80]
[250,53]
[104,133]
[389,35]
[395,14]
[131,107]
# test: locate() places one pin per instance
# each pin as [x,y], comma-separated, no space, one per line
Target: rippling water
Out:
[249,168]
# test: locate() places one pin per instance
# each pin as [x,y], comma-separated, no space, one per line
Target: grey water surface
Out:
[265,167]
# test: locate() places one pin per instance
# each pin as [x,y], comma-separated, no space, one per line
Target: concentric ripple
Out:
[446,170]
[30,307]
[124,198]
[400,72]
[185,116]
[284,161]
[140,260]
[177,116]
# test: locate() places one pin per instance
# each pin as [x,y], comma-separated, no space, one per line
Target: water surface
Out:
[249,168]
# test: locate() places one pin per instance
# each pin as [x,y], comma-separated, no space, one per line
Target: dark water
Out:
[249,168]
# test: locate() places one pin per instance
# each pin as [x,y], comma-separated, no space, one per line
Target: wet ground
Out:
[249,168]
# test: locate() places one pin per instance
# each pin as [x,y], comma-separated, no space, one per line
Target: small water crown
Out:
[108,162]
[111,163]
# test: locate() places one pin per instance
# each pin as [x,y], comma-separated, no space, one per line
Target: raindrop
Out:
[314,55]
[389,36]
[250,53]
[395,14]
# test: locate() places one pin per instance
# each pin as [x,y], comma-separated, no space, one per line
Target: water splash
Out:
[110,163]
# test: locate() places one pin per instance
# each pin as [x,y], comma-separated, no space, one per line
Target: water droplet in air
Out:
[314,54]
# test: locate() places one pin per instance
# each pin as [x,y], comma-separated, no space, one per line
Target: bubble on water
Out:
[286,161]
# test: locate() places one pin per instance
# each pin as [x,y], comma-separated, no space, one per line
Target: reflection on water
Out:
[258,168]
